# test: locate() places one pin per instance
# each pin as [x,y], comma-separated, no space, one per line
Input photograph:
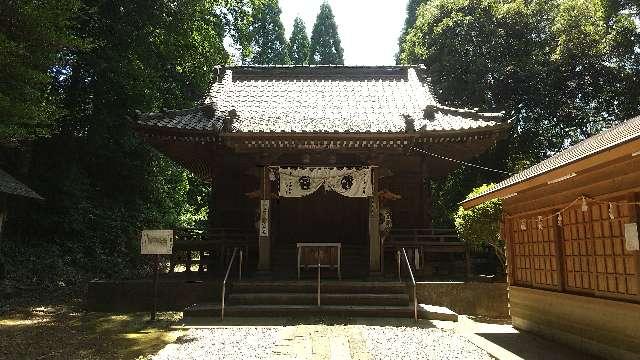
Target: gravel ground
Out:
[234,343]
[315,342]
[419,343]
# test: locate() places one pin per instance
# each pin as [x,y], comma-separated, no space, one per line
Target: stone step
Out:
[328,287]
[311,299]
[213,310]
[432,312]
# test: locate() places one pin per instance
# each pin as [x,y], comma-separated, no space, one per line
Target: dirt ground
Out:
[66,332]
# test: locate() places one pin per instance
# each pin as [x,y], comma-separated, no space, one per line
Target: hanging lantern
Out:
[559,219]
[523,225]
[539,222]
[585,208]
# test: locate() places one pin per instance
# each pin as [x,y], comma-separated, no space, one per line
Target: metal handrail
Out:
[318,276]
[226,276]
[413,282]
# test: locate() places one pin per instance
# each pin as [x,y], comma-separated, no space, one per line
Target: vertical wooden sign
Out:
[264,217]
[264,241]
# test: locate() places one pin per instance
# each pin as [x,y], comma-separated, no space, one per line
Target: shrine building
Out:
[336,155]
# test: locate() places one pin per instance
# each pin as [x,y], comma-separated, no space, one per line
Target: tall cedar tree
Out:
[299,43]
[409,21]
[269,45]
[325,41]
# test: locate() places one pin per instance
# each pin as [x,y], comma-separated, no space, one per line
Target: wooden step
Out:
[311,299]
[213,310]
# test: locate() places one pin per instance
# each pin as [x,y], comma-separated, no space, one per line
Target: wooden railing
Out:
[213,243]
[427,240]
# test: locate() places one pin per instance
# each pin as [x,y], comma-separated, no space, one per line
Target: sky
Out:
[369,29]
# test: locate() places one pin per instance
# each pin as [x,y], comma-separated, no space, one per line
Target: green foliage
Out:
[325,41]
[480,226]
[299,43]
[33,34]
[269,46]
[102,183]
[410,20]
[561,70]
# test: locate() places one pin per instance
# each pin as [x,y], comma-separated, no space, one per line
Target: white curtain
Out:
[350,182]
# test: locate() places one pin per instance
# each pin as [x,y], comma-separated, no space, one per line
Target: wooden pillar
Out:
[507,231]
[264,238]
[426,196]
[633,218]
[559,243]
[374,226]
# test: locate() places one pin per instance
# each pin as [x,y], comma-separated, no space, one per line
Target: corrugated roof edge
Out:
[25,191]
[142,120]
[511,181]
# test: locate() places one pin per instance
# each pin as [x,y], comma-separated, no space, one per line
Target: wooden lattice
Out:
[534,252]
[578,259]
[588,243]
[615,267]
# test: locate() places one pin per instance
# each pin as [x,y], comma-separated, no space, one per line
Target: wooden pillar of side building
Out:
[374,226]
[264,218]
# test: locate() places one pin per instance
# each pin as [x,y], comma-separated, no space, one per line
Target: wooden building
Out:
[571,230]
[313,154]
[10,190]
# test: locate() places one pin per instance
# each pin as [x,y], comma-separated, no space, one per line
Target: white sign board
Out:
[631,237]
[264,218]
[156,242]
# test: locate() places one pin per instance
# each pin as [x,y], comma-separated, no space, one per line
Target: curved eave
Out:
[498,128]
[176,133]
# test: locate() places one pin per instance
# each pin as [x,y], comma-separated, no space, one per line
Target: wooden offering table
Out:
[314,255]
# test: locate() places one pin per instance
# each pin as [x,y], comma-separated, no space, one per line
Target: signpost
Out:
[156,242]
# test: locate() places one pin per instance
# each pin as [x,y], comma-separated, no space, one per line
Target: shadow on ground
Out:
[532,347]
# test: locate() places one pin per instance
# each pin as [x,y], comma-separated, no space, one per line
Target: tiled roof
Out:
[620,134]
[201,118]
[9,185]
[335,98]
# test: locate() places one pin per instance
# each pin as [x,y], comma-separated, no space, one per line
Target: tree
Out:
[480,226]
[33,35]
[299,43]
[561,70]
[269,46]
[102,183]
[410,20]
[325,40]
